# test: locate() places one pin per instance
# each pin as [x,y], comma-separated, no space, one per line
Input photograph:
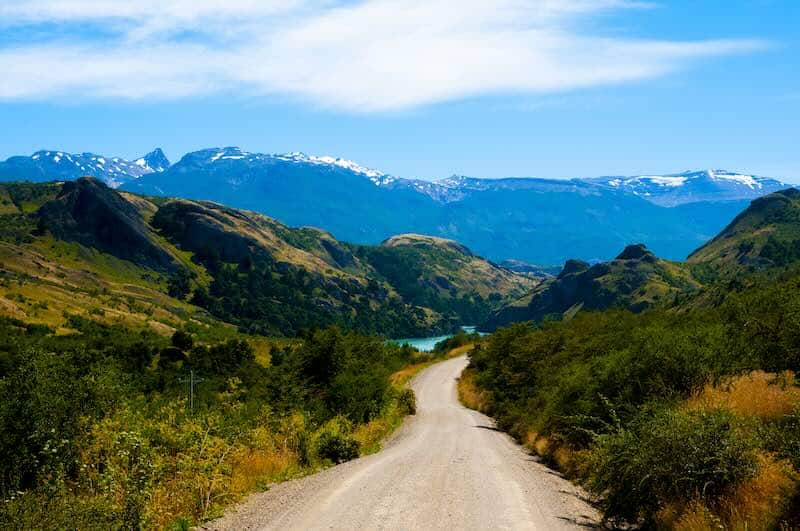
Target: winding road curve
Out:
[447,467]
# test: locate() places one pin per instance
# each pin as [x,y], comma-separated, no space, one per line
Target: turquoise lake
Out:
[426,344]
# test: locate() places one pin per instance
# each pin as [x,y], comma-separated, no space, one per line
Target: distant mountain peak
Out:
[298,156]
[155,161]
[636,251]
[692,186]
[573,266]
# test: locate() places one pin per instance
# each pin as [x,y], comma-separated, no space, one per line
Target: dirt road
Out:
[446,468]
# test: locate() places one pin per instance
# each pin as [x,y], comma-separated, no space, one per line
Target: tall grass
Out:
[470,394]
[755,394]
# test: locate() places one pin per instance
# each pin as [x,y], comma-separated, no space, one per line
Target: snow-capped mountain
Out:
[153,162]
[693,186]
[458,187]
[48,165]
[375,176]
[536,220]
[225,157]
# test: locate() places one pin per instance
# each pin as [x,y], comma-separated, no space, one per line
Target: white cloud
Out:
[373,55]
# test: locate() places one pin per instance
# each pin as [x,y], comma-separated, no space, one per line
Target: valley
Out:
[286,331]
[537,265]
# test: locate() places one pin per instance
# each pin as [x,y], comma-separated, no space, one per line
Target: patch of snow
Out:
[746,180]
[668,181]
[297,156]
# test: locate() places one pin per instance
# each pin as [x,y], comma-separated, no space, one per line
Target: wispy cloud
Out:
[372,55]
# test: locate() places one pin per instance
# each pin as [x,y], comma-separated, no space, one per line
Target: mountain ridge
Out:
[502,219]
[241,267]
[636,279]
[47,165]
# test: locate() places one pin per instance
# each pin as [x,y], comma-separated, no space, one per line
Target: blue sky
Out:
[554,88]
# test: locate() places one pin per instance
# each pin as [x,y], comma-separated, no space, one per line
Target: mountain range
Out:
[46,165]
[535,221]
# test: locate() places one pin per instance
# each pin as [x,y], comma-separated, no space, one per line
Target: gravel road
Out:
[447,467]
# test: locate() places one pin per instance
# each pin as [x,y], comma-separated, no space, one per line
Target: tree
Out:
[182,340]
[179,284]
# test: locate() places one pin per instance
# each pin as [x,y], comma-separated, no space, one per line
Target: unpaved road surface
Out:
[445,468]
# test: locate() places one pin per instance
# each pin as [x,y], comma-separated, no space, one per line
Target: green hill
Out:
[635,280]
[444,275]
[162,262]
[765,235]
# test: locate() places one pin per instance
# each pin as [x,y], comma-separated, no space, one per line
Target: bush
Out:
[668,457]
[407,402]
[182,340]
[334,442]
[360,393]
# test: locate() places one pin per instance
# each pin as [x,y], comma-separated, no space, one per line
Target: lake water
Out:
[426,344]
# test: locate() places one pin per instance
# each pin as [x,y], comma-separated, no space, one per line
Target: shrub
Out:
[182,340]
[407,402]
[670,457]
[360,393]
[337,448]
[334,442]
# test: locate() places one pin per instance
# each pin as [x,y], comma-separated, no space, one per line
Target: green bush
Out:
[407,402]
[670,456]
[334,442]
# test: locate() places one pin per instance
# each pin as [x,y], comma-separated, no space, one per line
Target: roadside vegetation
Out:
[684,418]
[97,430]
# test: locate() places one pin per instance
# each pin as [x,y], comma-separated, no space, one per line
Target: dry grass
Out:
[458,351]
[755,505]
[252,468]
[573,463]
[757,394]
[369,436]
[758,503]
[470,394]
[403,376]
[695,517]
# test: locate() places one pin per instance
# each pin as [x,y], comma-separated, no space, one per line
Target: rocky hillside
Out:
[636,279]
[238,266]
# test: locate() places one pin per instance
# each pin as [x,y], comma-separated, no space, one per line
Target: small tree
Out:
[182,340]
